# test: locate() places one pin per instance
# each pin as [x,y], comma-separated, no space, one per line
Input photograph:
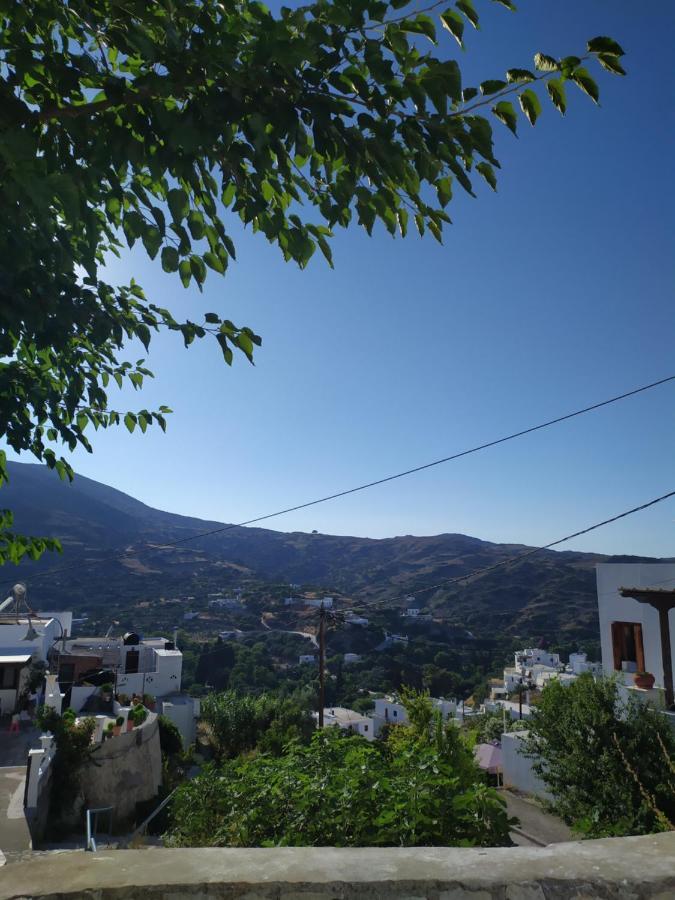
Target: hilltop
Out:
[551,594]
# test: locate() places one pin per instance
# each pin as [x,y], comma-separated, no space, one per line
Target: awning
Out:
[15,659]
[488,757]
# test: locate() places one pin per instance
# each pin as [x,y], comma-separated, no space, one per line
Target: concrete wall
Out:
[517,769]
[634,868]
[124,770]
[612,607]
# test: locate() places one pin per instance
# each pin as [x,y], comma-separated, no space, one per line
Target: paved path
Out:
[537,827]
[14,833]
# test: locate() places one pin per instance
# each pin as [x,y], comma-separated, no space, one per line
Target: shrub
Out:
[606,762]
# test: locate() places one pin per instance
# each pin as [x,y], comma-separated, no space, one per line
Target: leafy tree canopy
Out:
[341,790]
[158,124]
[608,764]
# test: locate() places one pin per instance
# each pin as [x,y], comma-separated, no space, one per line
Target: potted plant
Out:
[149,702]
[109,730]
[106,692]
[123,699]
[644,680]
[117,727]
[138,715]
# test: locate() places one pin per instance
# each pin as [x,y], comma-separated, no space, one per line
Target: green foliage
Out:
[339,791]
[138,715]
[237,723]
[170,739]
[73,745]
[155,124]
[607,763]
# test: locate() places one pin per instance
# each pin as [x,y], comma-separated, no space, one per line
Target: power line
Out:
[362,487]
[514,559]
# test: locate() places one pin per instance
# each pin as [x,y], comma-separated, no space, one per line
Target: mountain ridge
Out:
[118,539]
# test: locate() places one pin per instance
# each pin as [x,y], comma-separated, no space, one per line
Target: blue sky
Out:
[553,293]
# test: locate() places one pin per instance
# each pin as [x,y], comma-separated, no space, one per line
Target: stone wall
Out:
[622,868]
[124,770]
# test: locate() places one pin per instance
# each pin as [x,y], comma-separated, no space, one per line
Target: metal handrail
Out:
[91,834]
[144,824]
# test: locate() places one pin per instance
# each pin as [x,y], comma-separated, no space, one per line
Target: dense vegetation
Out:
[417,787]
[608,763]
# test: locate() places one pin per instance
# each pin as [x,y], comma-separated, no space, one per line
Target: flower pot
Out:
[130,725]
[117,729]
[644,680]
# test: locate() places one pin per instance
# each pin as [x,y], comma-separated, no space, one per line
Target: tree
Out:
[157,123]
[339,791]
[608,763]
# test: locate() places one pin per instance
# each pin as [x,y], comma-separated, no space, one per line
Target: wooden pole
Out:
[666,653]
[322,662]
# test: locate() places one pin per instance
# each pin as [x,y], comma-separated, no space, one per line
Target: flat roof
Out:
[8,659]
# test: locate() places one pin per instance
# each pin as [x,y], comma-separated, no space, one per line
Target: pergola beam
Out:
[662,600]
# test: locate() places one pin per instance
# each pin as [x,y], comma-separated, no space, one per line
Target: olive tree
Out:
[124,122]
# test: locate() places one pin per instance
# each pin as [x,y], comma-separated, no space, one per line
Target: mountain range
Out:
[112,551]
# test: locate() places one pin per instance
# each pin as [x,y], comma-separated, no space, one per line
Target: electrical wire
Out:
[511,560]
[362,487]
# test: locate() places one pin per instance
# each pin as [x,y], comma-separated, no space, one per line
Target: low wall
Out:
[518,770]
[622,868]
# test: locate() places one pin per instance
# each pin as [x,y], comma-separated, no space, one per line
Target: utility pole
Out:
[322,662]
[520,699]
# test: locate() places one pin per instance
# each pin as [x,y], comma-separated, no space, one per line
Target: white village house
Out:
[637,623]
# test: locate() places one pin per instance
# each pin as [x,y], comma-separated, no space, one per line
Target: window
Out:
[131,666]
[365,728]
[395,713]
[627,645]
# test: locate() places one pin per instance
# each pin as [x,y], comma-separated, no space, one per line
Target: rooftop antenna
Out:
[109,631]
[17,597]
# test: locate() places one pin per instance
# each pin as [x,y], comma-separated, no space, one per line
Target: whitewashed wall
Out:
[612,607]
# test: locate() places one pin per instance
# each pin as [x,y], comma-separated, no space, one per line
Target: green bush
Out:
[607,763]
[339,791]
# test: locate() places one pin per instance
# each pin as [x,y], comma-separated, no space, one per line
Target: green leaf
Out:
[152,240]
[130,421]
[604,45]
[468,94]
[467,7]
[509,4]
[169,259]
[421,24]
[444,191]
[179,204]
[530,105]
[515,76]
[198,269]
[185,272]
[546,63]
[214,262]
[556,91]
[492,86]
[228,193]
[582,78]
[611,63]
[196,224]
[454,23]
[505,112]
[488,174]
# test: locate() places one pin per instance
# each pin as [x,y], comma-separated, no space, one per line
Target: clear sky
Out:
[551,294]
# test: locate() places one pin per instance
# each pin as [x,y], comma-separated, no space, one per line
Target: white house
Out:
[637,622]
[352,619]
[388,711]
[532,657]
[306,658]
[25,639]
[339,717]
[351,658]
[325,603]
[148,666]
